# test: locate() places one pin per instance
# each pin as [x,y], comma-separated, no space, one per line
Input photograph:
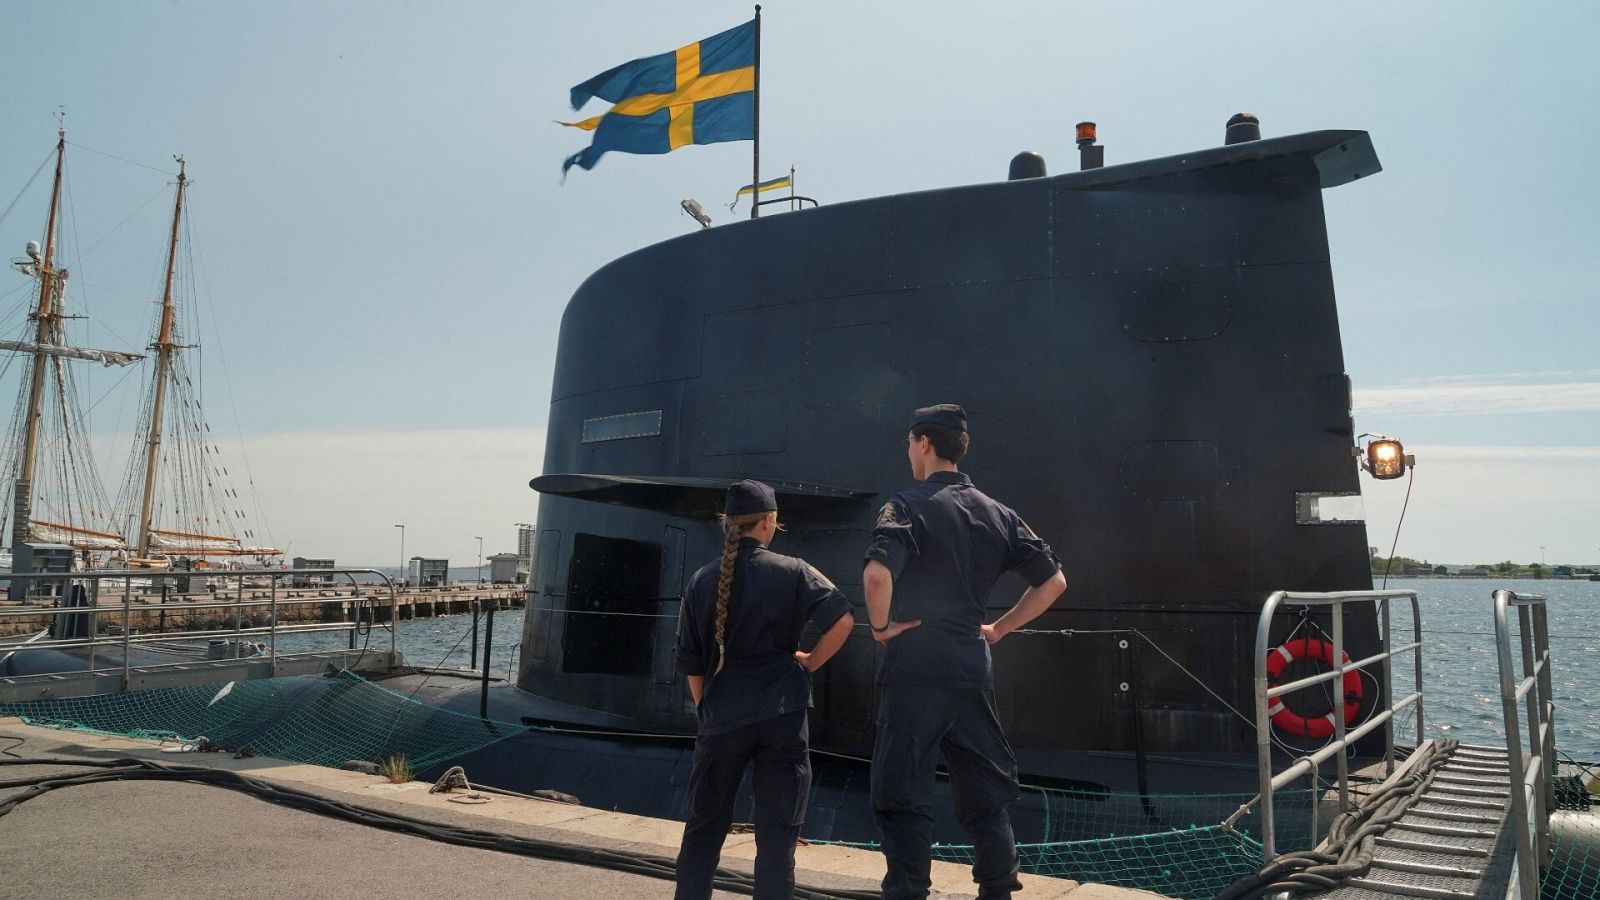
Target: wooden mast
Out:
[164,348]
[47,317]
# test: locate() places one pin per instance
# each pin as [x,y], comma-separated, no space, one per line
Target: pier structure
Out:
[146,861]
[162,608]
[96,632]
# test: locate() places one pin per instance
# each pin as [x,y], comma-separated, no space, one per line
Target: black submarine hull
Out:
[1150,359]
[605,762]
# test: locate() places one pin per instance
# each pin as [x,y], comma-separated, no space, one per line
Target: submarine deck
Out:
[149,840]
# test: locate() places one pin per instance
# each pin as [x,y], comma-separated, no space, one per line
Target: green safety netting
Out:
[323,721]
[1171,844]
[1574,869]
[1195,862]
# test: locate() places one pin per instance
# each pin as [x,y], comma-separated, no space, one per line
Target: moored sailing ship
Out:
[175,504]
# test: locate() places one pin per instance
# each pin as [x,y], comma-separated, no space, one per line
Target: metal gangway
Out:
[1451,820]
[124,659]
[1532,761]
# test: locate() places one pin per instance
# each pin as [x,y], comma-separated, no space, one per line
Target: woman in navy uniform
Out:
[739,646]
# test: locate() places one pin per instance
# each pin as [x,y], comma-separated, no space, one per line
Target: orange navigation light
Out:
[1085,132]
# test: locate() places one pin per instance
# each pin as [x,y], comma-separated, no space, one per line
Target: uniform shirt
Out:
[772,598]
[946,543]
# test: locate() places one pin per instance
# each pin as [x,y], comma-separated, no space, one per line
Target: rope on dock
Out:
[1352,838]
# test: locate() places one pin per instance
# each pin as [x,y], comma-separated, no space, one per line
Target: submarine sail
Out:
[1150,359]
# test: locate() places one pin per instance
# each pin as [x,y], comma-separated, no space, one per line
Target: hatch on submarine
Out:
[1150,359]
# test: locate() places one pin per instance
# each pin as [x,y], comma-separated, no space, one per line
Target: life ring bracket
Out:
[1315,727]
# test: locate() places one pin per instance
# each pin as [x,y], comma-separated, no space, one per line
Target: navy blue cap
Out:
[947,414]
[749,496]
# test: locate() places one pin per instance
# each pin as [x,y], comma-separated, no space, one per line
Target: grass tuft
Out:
[397,769]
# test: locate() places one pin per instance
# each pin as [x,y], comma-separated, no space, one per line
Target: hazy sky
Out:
[383,245]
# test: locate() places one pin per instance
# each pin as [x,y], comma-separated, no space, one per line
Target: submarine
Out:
[1150,360]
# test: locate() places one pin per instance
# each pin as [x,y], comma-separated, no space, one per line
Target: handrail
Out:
[127,639]
[1336,746]
[1532,767]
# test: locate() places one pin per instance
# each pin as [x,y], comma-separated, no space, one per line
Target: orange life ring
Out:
[1321,651]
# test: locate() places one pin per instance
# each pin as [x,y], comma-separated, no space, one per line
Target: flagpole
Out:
[755,167]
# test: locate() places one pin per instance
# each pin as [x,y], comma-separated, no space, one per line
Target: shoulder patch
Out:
[888,515]
[821,578]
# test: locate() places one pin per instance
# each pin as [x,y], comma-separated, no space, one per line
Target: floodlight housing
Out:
[1385,457]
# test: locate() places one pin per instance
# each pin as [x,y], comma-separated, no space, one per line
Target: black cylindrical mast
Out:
[755,168]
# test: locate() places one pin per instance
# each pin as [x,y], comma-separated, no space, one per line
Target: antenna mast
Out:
[164,348]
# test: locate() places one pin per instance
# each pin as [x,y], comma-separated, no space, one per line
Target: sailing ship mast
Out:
[48,320]
[164,347]
[184,482]
[47,351]
[193,496]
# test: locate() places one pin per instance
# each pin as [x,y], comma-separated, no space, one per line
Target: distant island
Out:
[1405,566]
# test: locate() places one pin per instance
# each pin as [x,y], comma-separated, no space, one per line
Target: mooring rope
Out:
[1348,850]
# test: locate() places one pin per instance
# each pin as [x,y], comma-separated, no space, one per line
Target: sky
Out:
[383,243]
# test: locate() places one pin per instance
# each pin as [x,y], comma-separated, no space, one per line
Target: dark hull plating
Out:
[606,765]
[1150,358]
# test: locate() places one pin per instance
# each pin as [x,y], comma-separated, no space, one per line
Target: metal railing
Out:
[130,603]
[1532,764]
[1264,694]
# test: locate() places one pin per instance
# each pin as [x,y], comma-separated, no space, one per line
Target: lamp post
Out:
[480,560]
[404,578]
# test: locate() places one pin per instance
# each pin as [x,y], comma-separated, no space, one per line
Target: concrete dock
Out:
[161,839]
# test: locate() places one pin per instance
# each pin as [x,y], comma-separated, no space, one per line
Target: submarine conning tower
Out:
[1150,359]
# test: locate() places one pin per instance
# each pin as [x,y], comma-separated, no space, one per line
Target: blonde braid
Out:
[735,526]
[730,555]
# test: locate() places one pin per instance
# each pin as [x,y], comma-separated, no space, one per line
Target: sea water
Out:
[1461,687]
[439,642]
[1461,674]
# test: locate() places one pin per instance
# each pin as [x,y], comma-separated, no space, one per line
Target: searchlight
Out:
[1383,456]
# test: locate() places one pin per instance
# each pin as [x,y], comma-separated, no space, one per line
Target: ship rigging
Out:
[174,499]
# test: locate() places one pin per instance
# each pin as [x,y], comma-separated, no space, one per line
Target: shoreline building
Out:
[504,568]
[310,580]
[423,572]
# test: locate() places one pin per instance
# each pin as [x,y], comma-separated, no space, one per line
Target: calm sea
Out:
[442,641]
[1461,686]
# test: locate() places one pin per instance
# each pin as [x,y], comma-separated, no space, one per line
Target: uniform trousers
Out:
[781,787]
[914,721]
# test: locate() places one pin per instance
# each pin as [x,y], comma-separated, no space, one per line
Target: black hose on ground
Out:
[1348,849]
[145,770]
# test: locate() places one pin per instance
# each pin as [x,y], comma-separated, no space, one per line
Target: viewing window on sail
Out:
[626,425]
[1329,508]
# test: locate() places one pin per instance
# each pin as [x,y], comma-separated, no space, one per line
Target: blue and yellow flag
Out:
[769,185]
[699,94]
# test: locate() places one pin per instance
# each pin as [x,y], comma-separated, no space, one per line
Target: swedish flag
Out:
[699,94]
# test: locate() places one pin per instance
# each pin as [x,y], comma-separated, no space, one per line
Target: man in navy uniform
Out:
[937,550]
[739,647]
